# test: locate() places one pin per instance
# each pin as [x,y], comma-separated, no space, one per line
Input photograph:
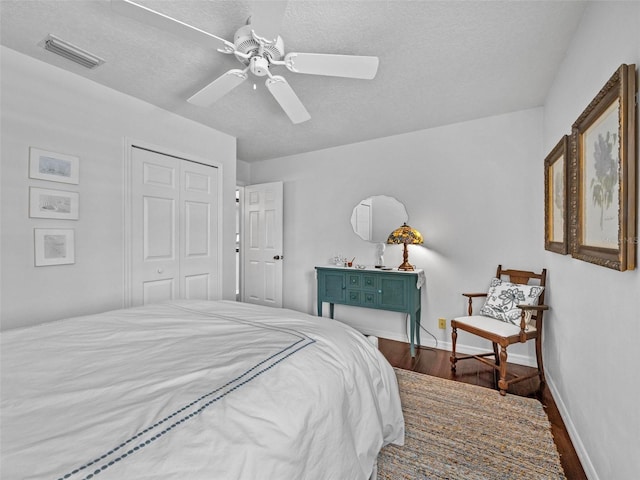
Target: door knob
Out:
[278,257]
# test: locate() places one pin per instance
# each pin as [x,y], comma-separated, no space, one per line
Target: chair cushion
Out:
[503,298]
[489,324]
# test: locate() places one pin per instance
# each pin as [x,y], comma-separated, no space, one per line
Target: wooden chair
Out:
[504,333]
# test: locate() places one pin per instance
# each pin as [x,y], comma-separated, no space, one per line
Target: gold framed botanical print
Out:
[603,227]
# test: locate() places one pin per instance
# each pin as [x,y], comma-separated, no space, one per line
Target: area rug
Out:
[455,430]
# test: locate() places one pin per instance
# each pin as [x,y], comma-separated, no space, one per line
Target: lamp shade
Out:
[405,235]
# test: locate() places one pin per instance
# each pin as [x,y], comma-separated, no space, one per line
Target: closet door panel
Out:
[199,231]
[155,266]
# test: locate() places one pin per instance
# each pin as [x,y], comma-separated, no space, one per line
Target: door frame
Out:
[127,192]
[240,242]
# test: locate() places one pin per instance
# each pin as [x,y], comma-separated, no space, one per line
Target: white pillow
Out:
[503,298]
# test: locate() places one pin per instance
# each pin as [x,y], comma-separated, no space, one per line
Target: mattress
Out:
[195,390]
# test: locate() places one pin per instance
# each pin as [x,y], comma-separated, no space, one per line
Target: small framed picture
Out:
[45,203]
[556,191]
[54,167]
[54,246]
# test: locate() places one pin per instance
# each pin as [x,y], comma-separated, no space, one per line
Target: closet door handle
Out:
[278,257]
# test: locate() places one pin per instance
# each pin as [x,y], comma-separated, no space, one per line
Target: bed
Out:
[195,390]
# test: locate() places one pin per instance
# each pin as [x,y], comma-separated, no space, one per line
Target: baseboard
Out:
[427,341]
[384,334]
[581,451]
[513,357]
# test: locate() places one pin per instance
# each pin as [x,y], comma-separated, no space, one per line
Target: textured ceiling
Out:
[440,62]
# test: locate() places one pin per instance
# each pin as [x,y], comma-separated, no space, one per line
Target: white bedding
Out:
[195,390]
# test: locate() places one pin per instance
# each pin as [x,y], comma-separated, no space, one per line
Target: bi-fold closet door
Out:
[174,228]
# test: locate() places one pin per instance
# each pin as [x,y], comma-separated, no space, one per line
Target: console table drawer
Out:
[362,297]
[361,280]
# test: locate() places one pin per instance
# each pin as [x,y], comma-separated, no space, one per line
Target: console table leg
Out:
[412,322]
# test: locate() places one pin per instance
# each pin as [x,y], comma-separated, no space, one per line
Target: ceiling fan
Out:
[258,47]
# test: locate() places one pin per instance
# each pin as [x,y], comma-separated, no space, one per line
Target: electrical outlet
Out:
[442,323]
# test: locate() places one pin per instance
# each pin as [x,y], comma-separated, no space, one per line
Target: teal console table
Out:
[392,290]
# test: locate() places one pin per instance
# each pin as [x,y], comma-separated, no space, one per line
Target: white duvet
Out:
[195,390]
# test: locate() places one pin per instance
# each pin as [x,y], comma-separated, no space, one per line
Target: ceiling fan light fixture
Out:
[71,52]
[259,66]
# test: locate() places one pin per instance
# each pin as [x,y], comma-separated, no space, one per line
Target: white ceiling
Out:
[441,62]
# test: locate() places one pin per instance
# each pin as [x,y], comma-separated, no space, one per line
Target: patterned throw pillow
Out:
[503,298]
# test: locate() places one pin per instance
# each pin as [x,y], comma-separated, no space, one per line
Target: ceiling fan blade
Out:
[266,18]
[287,98]
[218,88]
[166,23]
[351,66]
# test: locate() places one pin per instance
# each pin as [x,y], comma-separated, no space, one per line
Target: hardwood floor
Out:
[436,362]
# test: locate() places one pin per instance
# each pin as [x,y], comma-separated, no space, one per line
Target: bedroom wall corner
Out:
[52,109]
[243,173]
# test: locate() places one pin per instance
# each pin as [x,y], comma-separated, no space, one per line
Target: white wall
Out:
[593,329]
[474,190]
[243,172]
[49,108]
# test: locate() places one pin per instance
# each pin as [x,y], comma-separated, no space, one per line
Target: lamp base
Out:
[406,266]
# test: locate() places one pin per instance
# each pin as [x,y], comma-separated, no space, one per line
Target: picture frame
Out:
[603,178]
[53,167]
[50,203]
[54,246]
[556,198]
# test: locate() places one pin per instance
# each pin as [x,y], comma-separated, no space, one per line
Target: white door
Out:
[262,244]
[174,228]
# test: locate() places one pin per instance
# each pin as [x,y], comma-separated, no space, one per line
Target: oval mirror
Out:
[374,218]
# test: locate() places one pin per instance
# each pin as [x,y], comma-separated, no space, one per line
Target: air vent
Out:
[71,52]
